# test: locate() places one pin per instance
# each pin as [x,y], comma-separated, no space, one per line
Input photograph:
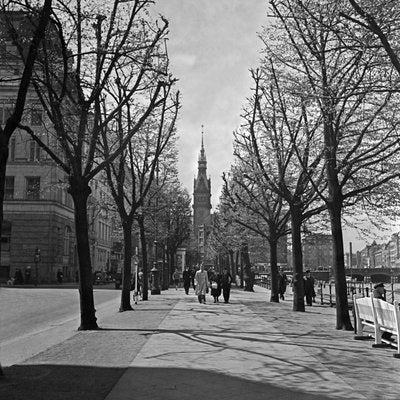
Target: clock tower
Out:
[201,202]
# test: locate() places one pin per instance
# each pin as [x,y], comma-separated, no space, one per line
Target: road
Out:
[34,319]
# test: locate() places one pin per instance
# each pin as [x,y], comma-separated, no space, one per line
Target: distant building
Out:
[373,256]
[317,250]
[259,251]
[394,251]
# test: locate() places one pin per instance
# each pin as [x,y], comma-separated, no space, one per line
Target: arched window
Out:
[67,240]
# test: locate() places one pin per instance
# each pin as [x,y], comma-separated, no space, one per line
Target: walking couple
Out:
[202,284]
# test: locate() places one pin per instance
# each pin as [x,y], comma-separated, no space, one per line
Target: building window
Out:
[33,187]
[6,237]
[34,151]
[67,240]
[9,188]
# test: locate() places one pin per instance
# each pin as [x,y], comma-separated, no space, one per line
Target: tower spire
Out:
[202,155]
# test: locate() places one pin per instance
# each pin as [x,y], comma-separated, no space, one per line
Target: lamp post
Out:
[155,279]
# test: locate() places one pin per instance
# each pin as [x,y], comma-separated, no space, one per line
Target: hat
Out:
[380,284]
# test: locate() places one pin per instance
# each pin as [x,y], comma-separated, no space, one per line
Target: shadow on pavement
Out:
[59,382]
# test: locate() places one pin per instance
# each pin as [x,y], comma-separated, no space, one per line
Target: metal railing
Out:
[325,291]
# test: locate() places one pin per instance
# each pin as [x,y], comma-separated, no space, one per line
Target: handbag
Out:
[214,285]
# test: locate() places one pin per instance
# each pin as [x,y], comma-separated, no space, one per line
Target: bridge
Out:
[385,275]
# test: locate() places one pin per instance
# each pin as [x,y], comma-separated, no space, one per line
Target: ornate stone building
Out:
[202,219]
[38,233]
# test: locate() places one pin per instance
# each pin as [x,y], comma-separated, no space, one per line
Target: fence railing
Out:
[325,291]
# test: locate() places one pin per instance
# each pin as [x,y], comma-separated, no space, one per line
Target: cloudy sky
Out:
[212,45]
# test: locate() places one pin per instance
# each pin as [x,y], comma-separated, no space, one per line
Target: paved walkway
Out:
[172,347]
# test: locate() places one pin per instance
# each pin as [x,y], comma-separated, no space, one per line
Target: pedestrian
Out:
[140,285]
[28,273]
[192,274]
[60,276]
[282,283]
[215,282]
[379,292]
[186,276]
[201,284]
[18,278]
[226,282]
[175,278]
[309,291]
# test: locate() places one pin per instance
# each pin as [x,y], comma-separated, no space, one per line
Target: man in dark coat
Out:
[187,277]
[309,288]
[282,283]
[226,281]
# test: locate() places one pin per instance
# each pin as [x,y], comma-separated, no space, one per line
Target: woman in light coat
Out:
[202,284]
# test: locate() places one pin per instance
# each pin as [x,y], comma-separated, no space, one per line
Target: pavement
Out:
[172,347]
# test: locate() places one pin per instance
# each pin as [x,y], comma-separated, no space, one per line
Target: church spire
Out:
[202,181]
[202,155]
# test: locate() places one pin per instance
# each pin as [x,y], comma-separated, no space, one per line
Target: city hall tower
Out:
[201,202]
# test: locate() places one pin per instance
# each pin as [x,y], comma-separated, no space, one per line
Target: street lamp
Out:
[155,284]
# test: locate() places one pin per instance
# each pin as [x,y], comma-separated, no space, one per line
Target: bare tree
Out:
[174,221]
[224,237]
[278,144]
[382,19]
[356,96]
[95,46]
[261,210]
[131,175]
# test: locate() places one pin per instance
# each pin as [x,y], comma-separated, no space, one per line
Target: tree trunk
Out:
[80,191]
[248,273]
[335,205]
[233,266]
[297,254]
[343,320]
[236,265]
[145,294]
[127,270]
[273,252]
[170,258]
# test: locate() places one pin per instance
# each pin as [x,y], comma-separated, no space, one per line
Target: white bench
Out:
[379,315]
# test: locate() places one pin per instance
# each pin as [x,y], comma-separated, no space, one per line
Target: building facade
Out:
[317,251]
[38,235]
[385,255]
[202,219]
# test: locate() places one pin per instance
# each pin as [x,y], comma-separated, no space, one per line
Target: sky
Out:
[212,46]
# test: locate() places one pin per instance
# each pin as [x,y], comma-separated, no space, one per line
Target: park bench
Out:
[382,317]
